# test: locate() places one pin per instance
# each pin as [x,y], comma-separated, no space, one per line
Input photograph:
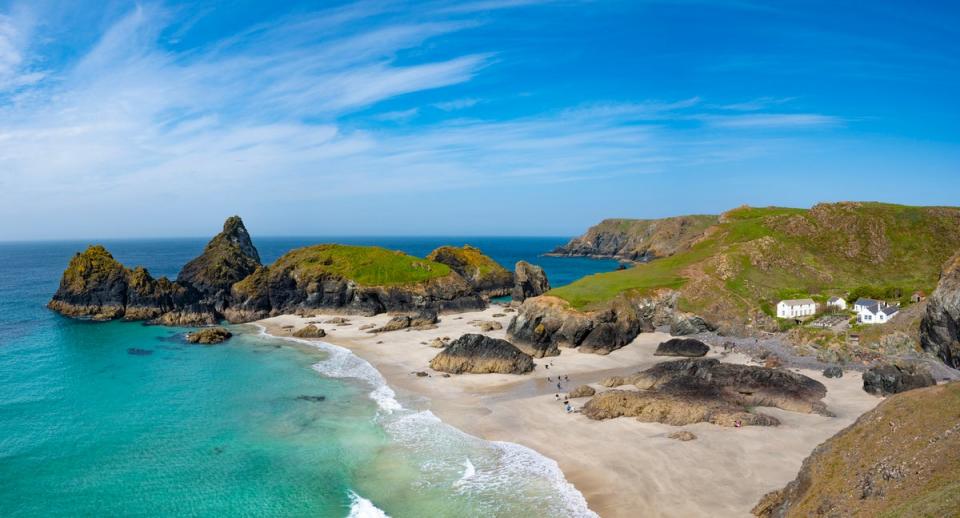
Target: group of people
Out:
[561,379]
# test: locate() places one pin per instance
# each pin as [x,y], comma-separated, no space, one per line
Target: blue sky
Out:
[478,117]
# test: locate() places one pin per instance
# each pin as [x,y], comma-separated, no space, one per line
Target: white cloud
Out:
[456,104]
[774,120]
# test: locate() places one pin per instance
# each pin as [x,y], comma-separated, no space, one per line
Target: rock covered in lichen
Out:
[940,327]
[310,331]
[227,259]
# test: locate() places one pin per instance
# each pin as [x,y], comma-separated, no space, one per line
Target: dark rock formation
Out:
[545,323]
[209,335]
[310,331]
[228,258]
[481,354]
[743,385]
[529,281]
[582,391]
[637,239]
[483,273]
[884,380]
[672,409]
[302,281]
[900,459]
[940,327]
[833,371]
[682,347]
[684,324]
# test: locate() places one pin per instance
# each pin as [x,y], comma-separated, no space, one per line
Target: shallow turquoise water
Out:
[124,419]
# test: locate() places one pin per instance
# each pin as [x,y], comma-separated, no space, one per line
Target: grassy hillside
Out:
[900,459]
[365,265]
[755,256]
[638,239]
[470,259]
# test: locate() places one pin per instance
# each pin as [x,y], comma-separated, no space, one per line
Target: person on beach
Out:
[568,408]
[558,386]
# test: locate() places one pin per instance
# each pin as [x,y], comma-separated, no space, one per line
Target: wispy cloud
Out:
[456,104]
[774,120]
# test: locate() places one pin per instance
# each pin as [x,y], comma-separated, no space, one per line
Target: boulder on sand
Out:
[310,331]
[528,281]
[582,391]
[883,380]
[480,354]
[425,319]
[682,347]
[673,409]
[833,371]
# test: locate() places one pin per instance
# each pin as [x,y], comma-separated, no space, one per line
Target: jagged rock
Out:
[638,239]
[683,435]
[310,331]
[209,335]
[529,281]
[228,258]
[743,385]
[940,327]
[613,381]
[545,323]
[487,325]
[478,354]
[483,273]
[883,380]
[685,324]
[900,459]
[672,409]
[682,347]
[582,391]
[833,371]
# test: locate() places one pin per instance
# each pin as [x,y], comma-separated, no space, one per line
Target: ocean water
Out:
[125,419]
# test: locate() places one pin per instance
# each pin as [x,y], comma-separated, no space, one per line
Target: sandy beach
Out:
[623,467]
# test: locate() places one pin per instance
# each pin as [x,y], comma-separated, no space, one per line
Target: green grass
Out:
[471,257]
[831,249]
[365,265]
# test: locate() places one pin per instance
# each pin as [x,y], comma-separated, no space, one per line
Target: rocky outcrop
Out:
[543,324]
[900,459]
[228,258]
[310,331]
[423,320]
[744,385]
[833,371]
[97,286]
[883,380]
[940,327]
[330,277]
[672,409]
[483,273]
[479,354]
[528,281]
[687,347]
[638,239]
[209,335]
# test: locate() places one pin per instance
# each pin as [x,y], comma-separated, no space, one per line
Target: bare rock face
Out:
[310,331]
[682,347]
[228,258]
[480,354]
[209,335]
[483,273]
[545,323]
[900,459]
[940,327]
[528,281]
[744,385]
[883,380]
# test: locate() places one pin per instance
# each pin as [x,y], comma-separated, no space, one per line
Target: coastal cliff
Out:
[638,239]
[227,281]
[940,327]
[364,280]
[483,273]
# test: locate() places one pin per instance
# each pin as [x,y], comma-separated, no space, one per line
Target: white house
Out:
[796,308]
[837,302]
[861,305]
[877,314]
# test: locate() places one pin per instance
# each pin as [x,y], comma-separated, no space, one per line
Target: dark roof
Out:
[866,302]
[890,310]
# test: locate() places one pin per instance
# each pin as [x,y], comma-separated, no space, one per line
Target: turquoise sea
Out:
[125,419]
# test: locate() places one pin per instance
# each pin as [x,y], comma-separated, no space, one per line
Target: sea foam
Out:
[497,467]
